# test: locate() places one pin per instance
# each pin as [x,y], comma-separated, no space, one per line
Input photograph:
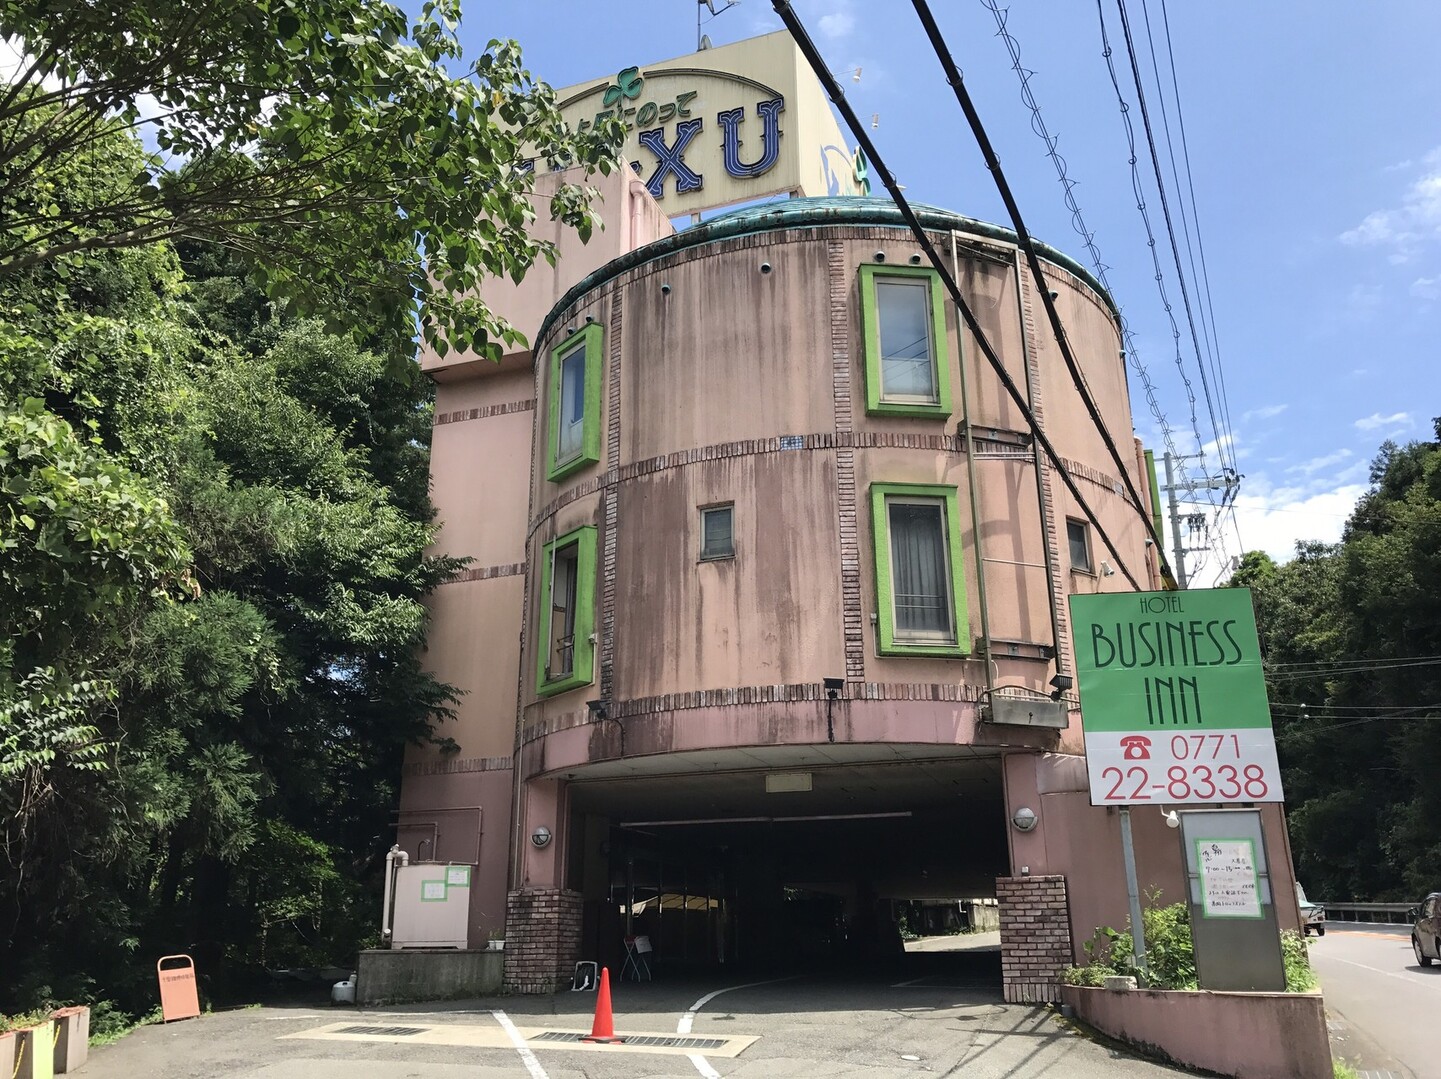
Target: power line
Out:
[1322,672]
[963,98]
[1078,221]
[1349,662]
[858,130]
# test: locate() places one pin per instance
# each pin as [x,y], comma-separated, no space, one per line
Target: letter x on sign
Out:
[672,158]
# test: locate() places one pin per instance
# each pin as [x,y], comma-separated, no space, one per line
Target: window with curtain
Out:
[570,437]
[920,570]
[903,314]
[717,532]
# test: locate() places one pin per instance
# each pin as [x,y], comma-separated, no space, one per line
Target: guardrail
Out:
[1369,912]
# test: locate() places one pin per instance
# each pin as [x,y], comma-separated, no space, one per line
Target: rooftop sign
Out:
[722,126]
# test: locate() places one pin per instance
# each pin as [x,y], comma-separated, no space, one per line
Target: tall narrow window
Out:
[906,357]
[1078,538]
[573,412]
[717,527]
[920,588]
[564,561]
[570,436]
[567,613]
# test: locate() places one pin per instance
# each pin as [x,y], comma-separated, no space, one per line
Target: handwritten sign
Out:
[1230,886]
[457,876]
[432,891]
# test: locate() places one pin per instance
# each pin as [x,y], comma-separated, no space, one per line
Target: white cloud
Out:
[1316,464]
[1404,227]
[1274,519]
[839,22]
[1427,288]
[1265,412]
[1376,421]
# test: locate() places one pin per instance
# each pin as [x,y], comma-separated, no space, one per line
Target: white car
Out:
[1313,915]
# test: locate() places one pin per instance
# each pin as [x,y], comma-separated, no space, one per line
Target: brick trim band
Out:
[464,414]
[778,694]
[487,573]
[446,767]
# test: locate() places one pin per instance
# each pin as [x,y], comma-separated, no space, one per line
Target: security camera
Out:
[540,837]
[665,290]
[765,267]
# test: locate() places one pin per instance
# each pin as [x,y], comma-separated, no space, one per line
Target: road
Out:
[934,1016]
[1382,1007]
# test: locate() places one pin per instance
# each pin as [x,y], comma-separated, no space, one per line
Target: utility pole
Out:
[1227,481]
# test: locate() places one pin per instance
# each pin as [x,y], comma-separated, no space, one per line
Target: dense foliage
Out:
[213,466]
[1170,954]
[353,153]
[1352,641]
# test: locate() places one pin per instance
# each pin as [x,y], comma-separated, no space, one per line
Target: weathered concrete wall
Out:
[390,977]
[1244,1035]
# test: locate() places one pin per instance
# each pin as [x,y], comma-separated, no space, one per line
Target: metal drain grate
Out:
[384,1032]
[657,1041]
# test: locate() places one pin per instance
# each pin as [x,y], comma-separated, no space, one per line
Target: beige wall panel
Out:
[479,473]
[474,647]
[731,353]
[771,615]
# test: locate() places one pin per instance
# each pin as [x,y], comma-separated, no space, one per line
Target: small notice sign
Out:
[1230,885]
[432,891]
[457,876]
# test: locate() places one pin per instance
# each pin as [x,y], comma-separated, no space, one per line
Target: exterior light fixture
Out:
[1059,684]
[915,260]
[879,256]
[765,267]
[540,837]
[597,709]
[665,290]
[600,712]
[1173,819]
[833,687]
[1025,819]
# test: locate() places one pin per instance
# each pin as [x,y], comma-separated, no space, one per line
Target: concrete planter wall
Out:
[1243,1035]
[35,1052]
[72,1038]
[9,1043]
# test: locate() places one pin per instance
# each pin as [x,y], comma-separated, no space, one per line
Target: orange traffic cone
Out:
[602,1030]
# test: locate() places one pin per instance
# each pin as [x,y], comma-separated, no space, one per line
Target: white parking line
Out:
[527,1057]
[702,1065]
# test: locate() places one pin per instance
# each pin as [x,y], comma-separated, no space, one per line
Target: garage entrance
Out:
[782,857]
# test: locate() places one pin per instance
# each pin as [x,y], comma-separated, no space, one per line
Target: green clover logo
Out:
[627,84]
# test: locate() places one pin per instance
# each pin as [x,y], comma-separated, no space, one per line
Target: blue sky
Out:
[1315,150]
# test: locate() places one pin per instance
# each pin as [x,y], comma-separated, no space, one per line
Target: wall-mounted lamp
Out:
[1054,294]
[765,267]
[540,837]
[1025,819]
[915,260]
[665,290]
[879,256]
[1059,684]
[1173,819]
[570,329]
[600,712]
[589,319]
[833,687]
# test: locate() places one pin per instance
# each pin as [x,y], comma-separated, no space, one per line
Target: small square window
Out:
[1078,536]
[717,529]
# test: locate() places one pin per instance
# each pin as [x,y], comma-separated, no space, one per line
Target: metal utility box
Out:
[432,905]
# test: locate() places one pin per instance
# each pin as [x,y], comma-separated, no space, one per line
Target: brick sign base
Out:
[1035,937]
[542,939]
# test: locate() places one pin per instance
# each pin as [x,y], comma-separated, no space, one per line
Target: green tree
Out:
[1351,634]
[358,159]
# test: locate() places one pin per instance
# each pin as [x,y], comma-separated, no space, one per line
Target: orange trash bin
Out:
[179,998]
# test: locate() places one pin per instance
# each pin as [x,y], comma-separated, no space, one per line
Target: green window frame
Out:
[590,340]
[876,403]
[582,666]
[888,641]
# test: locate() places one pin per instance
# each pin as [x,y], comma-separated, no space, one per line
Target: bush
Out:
[1170,954]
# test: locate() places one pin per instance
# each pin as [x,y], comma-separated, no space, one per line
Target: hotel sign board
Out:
[722,126]
[1173,699]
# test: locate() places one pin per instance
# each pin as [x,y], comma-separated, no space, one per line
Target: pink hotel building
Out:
[767,582]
